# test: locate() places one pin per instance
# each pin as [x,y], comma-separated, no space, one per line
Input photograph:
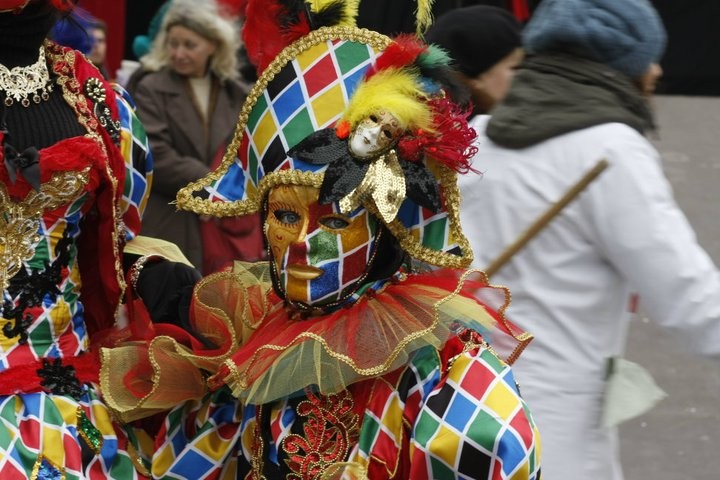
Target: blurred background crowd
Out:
[691,62]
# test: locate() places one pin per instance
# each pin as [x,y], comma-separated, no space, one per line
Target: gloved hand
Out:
[166,289]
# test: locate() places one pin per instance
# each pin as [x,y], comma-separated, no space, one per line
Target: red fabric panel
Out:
[111,12]
[521,10]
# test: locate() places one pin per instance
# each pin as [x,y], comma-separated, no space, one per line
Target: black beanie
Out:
[476,37]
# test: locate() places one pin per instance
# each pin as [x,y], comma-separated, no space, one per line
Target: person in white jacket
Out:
[579,97]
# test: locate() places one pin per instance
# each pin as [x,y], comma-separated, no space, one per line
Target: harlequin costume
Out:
[73,177]
[338,359]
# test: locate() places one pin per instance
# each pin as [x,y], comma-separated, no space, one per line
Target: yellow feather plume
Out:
[423,15]
[350,9]
[395,91]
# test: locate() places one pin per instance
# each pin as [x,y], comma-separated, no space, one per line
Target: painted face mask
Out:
[374,134]
[319,254]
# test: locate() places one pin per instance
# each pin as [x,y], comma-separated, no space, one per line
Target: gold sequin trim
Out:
[137,461]
[35,474]
[20,221]
[384,183]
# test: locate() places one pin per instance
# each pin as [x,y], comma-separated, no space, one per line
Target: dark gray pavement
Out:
[680,438]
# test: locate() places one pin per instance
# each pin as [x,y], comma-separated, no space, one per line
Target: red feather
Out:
[452,142]
[403,51]
[296,30]
[234,8]
[264,35]
[63,5]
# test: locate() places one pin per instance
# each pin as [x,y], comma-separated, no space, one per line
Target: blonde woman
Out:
[189,103]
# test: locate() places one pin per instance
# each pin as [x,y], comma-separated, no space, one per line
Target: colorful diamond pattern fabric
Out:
[135,150]
[200,440]
[40,438]
[475,424]
[306,94]
[468,424]
[427,421]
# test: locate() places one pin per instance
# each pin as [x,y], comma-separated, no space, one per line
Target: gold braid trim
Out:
[20,221]
[448,180]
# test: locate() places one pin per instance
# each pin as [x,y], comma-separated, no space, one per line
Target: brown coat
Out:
[183,147]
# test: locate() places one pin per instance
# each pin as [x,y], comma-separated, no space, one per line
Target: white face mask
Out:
[374,135]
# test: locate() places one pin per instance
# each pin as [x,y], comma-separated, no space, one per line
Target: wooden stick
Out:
[546,217]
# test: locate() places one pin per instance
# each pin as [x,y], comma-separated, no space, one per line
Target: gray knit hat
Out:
[627,35]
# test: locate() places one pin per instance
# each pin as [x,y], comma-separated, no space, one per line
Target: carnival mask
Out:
[374,135]
[319,254]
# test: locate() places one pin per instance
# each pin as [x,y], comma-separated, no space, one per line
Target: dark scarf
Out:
[556,93]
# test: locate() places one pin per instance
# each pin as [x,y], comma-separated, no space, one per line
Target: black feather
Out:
[333,14]
[320,148]
[293,11]
[421,186]
[341,178]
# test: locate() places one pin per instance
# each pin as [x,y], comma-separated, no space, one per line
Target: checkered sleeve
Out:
[135,151]
[473,424]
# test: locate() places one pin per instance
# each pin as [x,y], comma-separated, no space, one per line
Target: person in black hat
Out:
[485,45]
[582,95]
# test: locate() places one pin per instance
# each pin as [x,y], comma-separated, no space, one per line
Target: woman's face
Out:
[374,134]
[99,48]
[318,252]
[648,82]
[491,86]
[189,52]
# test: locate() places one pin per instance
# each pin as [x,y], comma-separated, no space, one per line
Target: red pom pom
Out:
[452,142]
[342,129]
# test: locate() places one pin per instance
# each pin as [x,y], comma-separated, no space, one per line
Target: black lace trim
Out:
[60,379]
[30,289]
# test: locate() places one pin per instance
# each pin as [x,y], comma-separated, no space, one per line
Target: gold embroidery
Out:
[256,461]
[331,430]
[63,64]
[20,221]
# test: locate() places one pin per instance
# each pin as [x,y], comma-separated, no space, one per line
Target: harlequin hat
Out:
[289,132]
